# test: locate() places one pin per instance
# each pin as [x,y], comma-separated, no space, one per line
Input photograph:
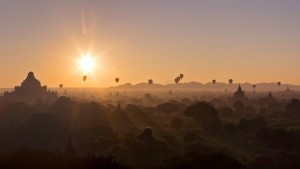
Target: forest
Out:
[152,131]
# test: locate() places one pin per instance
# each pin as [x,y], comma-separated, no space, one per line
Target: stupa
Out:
[239,94]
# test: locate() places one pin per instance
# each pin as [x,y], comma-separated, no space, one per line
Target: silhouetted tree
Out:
[293,109]
[278,138]
[177,123]
[191,136]
[206,115]
[200,111]
[255,123]
[167,108]
[70,151]
[239,106]
[211,161]
[230,128]
[36,159]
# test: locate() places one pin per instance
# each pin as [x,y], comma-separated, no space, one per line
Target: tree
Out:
[200,111]
[177,123]
[167,108]
[206,115]
[239,106]
[293,109]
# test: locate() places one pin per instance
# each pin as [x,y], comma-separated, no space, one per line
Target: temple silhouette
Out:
[239,94]
[30,92]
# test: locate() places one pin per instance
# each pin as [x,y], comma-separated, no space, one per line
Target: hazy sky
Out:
[246,40]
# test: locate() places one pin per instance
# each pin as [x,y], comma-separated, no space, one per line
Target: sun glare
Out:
[87,63]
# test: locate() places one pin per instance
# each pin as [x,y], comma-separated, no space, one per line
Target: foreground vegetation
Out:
[149,132]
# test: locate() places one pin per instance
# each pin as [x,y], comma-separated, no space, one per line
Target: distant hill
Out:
[196,86]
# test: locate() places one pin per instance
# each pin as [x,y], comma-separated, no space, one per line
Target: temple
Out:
[239,94]
[30,91]
[288,89]
[270,95]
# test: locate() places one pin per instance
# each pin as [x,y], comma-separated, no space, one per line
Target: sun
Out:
[87,63]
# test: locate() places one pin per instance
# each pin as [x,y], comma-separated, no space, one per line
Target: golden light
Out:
[87,63]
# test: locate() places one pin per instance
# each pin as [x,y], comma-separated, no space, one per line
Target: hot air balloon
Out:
[61,85]
[214,81]
[278,83]
[150,81]
[181,76]
[117,80]
[230,81]
[84,78]
[177,79]
[254,86]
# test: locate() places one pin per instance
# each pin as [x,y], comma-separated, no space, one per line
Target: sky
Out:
[246,40]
